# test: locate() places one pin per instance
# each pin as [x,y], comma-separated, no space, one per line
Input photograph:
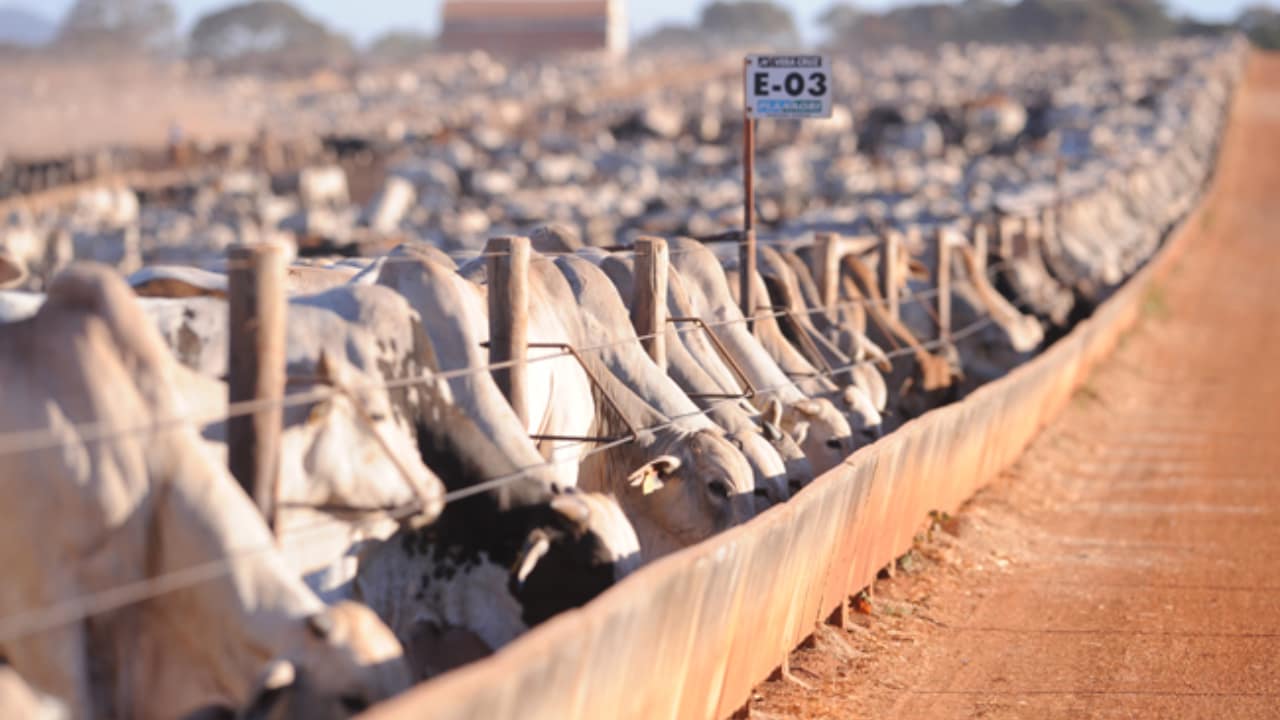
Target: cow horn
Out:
[325,369]
[535,548]
[850,396]
[771,431]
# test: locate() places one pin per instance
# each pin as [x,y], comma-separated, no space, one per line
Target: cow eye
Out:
[833,443]
[719,488]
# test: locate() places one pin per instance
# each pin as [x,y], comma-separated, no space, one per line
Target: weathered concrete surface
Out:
[1126,566]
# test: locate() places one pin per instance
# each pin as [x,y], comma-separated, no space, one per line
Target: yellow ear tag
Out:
[651,484]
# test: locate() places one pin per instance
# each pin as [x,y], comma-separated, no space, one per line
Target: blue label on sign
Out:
[789,107]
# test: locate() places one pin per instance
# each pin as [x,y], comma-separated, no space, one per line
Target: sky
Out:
[365,19]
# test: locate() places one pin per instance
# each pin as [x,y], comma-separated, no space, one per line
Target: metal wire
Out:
[25,623]
[43,439]
[29,622]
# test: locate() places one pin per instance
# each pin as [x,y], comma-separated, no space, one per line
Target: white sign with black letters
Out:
[788,86]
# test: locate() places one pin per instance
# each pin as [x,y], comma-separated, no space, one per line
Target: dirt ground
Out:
[1126,566]
[52,108]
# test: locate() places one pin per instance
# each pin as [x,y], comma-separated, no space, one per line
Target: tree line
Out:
[258,35]
[275,36]
[928,24]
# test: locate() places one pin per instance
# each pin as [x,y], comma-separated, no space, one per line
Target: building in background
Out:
[534,27]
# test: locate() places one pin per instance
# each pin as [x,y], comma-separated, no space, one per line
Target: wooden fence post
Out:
[980,245]
[942,281]
[1048,226]
[1030,234]
[826,267]
[256,368]
[1006,227]
[508,268]
[649,306]
[890,271]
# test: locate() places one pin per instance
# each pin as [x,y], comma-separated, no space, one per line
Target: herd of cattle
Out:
[421,522]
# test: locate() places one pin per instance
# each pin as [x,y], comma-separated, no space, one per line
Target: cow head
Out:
[821,431]
[579,545]
[860,409]
[352,449]
[347,661]
[767,467]
[698,485]
[799,469]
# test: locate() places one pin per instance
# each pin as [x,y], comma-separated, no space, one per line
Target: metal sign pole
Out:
[747,250]
[790,87]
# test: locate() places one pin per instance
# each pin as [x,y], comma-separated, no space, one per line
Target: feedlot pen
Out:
[1126,566]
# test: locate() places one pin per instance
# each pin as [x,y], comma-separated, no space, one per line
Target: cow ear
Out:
[572,509]
[773,412]
[536,546]
[13,271]
[800,432]
[649,477]
[274,684]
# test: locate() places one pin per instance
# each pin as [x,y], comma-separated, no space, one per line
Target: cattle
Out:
[919,379]
[504,559]
[179,281]
[606,324]
[17,305]
[479,577]
[1000,337]
[22,251]
[798,326]
[718,397]
[20,700]
[855,401]
[346,460]
[820,429]
[146,506]
[678,486]
[455,319]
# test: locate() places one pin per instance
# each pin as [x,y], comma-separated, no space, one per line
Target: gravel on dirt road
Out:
[1126,567]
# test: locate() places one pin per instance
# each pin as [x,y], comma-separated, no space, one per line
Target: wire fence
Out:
[25,623]
[34,440]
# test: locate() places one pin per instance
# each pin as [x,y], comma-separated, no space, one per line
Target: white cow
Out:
[606,323]
[146,507]
[820,429]
[712,387]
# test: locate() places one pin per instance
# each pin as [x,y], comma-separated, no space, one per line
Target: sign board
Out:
[788,86]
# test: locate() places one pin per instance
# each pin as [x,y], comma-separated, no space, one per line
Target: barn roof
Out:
[525,9]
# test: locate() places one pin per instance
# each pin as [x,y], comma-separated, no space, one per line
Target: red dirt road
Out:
[1127,567]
